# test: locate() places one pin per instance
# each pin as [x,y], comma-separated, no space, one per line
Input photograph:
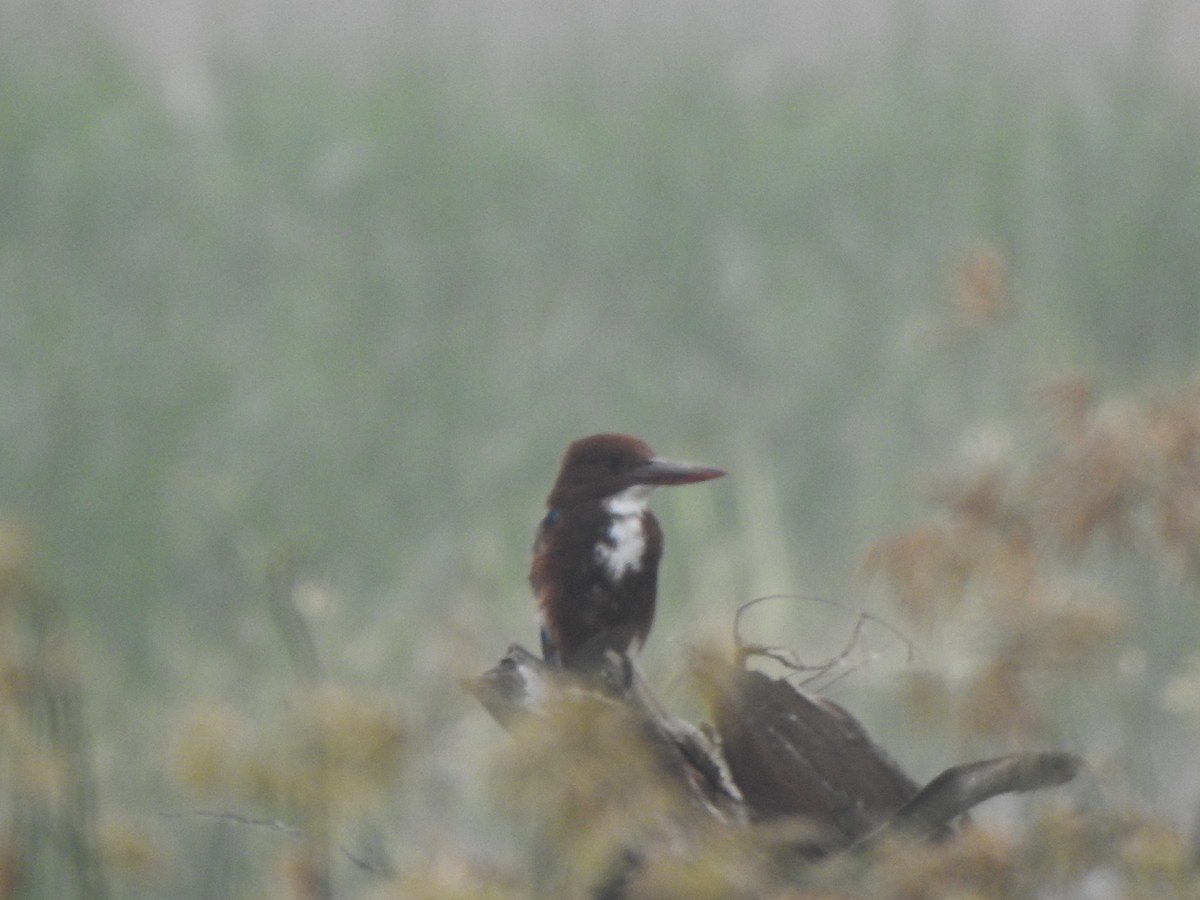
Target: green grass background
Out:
[358,320]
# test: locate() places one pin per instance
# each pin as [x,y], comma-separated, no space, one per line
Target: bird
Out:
[597,549]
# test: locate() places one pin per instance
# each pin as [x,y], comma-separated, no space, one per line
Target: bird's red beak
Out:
[668,471]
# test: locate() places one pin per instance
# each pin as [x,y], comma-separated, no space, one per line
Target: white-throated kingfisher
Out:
[597,550]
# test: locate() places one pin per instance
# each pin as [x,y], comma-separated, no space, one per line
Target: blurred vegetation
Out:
[937,314]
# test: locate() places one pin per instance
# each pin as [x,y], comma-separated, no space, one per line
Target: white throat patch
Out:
[626,543]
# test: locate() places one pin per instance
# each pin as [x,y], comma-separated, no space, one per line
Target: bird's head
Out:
[607,465]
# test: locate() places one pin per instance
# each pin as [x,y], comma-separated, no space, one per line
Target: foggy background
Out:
[327,289]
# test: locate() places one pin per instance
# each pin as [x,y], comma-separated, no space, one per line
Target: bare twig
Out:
[814,671]
[381,869]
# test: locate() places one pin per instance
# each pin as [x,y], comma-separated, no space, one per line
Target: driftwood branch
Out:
[778,752]
[522,685]
[954,792]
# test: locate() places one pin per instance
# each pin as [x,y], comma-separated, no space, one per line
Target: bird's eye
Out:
[614,464]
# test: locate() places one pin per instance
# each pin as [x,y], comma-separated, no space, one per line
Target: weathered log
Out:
[777,752]
[521,685]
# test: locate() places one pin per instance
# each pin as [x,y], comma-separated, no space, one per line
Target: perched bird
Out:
[596,554]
